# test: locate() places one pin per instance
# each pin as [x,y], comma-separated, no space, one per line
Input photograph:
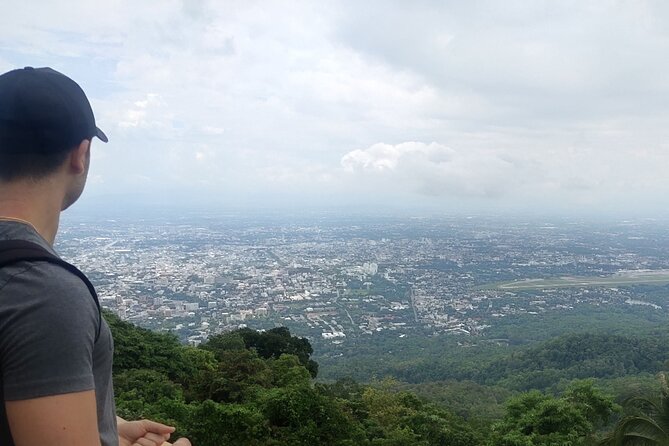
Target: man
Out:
[55,350]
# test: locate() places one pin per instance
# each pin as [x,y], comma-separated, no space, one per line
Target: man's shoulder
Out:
[43,288]
[47,297]
[33,273]
[19,230]
[41,280]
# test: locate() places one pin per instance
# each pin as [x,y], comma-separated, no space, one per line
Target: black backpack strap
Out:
[13,251]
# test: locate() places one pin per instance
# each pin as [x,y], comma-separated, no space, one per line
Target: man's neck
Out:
[36,203]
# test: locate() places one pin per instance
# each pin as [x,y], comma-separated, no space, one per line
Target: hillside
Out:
[252,388]
[520,354]
[249,388]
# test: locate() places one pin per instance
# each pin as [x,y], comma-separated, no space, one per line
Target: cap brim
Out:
[101,135]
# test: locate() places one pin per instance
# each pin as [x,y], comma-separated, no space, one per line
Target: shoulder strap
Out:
[13,251]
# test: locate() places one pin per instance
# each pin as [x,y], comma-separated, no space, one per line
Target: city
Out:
[339,279]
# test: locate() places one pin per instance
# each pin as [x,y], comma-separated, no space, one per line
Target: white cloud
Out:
[144,113]
[433,169]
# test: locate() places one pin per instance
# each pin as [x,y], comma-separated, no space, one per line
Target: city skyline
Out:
[344,281]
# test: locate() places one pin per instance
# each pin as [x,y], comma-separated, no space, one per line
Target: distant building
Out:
[191,306]
[370,268]
[262,312]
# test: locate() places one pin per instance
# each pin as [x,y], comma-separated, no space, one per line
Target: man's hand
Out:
[179,442]
[142,433]
[146,433]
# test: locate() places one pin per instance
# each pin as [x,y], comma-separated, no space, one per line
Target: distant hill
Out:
[520,353]
[543,365]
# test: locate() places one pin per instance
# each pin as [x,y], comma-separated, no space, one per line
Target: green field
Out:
[660,277]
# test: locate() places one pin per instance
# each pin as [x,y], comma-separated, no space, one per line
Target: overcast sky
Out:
[453,105]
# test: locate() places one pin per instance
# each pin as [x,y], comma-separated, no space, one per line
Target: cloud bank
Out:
[519,104]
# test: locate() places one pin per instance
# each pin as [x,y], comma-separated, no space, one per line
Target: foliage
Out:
[269,344]
[519,352]
[646,422]
[402,415]
[533,418]
[256,388]
[137,348]
[479,404]
[251,388]
[547,365]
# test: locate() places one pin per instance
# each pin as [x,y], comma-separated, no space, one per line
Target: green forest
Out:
[262,388]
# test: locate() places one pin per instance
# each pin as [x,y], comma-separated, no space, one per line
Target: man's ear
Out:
[79,157]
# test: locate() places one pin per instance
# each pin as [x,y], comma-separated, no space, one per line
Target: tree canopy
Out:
[257,388]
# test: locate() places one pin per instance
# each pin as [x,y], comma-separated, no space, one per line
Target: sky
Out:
[456,106]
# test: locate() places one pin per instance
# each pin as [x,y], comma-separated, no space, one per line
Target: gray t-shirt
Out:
[48,323]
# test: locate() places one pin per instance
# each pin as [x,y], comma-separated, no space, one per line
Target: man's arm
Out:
[61,420]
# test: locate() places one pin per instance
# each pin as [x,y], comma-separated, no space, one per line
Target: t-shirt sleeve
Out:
[48,322]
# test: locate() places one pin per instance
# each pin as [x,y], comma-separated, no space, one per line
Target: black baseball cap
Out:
[43,111]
